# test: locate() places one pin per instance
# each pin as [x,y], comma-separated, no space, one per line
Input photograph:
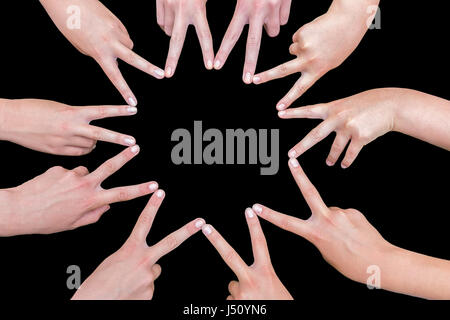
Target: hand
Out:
[57,128]
[321,46]
[345,238]
[174,17]
[360,119]
[61,199]
[101,36]
[130,272]
[257,13]
[258,281]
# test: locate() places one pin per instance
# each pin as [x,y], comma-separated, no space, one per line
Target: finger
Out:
[294,48]
[145,220]
[230,298]
[259,243]
[160,13]
[228,254]
[101,112]
[317,111]
[310,193]
[339,144]
[205,38]
[233,288]
[138,62]
[112,71]
[175,239]
[300,87]
[121,194]
[176,45]
[81,171]
[314,136]
[156,270]
[232,35]
[114,164]
[272,25]
[252,50]
[169,20]
[281,71]
[82,142]
[285,11]
[100,134]
[352,152]
[283,221]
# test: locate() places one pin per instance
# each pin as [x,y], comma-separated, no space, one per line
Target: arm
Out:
[56,128]
[423,116]
[352,245]
[362,118]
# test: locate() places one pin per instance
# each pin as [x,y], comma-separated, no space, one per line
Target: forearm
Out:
[423,116]
[416,274]
[5,118]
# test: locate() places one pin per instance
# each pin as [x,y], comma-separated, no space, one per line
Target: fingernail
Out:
[132,110]
[169,71]
[256,79]
[217,64]
[249,213]
[129,141]
[207,230]
[257,208]
[209,64]
[281,106]
[135,149]
[248,78]
[160,193]
[329,163]
[153,186]
[132,102]
[159,73]
[95,146]
[343,166]
[294,163]
[292,154]
[199,223]
[281,113]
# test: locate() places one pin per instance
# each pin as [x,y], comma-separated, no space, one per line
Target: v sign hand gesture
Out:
[130,273]
[102,36]
[258,281]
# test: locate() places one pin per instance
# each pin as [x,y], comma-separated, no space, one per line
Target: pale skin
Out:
[57,128]
[351,245]
[362,118]
[258,14]
[130,273]
[102,36]
[258,281]
[322,45]
[174,18]
[61,199]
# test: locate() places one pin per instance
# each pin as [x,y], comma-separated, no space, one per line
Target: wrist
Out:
[9,222]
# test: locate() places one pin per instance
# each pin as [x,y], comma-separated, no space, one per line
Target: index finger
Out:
[114,164]
[259,243]
[176,45]
[175,239]
[101,134]
[280,71]
[228,254]
[145,220]
[232,35]
[252,50]
[130,57]
[310,193]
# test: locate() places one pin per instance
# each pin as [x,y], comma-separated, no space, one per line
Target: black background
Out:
[399,183]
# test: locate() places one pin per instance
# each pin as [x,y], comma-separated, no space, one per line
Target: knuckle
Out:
[109,167]
[123,195]
[252,40]
[285,223]
[229,256]
[171,242]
